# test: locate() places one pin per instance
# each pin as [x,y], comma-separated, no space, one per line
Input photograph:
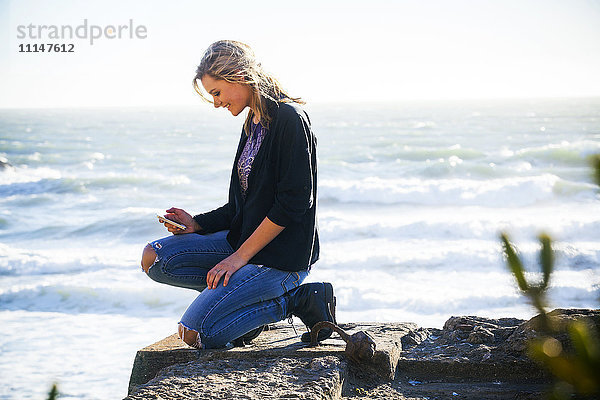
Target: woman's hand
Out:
[265,232]
[179,215]
[225,268]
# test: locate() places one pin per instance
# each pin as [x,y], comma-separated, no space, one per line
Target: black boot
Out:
[312,303]
[248,337]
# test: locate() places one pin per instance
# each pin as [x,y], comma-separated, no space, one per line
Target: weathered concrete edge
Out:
[153,362]
[330,388]
[148,364]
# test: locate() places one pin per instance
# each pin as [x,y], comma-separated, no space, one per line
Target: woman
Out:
[249,257]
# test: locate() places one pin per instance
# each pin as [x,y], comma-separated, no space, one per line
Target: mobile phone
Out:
[163,220]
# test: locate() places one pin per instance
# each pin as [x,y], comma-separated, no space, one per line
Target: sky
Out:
[323,51]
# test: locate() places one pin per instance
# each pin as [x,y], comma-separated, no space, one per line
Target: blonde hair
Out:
[235,62]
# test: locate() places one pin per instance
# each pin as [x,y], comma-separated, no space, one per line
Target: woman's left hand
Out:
[225,268]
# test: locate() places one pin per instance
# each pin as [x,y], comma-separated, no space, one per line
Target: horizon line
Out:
[317,102]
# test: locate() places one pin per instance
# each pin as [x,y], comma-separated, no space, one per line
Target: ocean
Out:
[412,198]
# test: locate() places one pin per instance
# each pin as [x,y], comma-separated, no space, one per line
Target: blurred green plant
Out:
[53,395]
[536,293]
[578,371]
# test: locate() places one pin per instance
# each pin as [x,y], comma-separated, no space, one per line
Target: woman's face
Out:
[233,96]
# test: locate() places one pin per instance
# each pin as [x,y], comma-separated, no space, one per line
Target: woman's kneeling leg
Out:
[184,260]
[253,297]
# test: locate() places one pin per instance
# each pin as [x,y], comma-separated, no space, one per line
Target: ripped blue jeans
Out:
[252,298]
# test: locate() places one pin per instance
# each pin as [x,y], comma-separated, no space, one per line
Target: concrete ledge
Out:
[471,357]
[151,359]
[279,341]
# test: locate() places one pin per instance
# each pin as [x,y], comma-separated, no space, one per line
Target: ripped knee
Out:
[189,336]
[148,257]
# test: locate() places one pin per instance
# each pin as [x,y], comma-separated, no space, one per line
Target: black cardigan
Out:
[282,185]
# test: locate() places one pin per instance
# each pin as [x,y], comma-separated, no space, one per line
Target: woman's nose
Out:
[217,103]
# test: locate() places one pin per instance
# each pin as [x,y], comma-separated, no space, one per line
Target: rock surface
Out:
[469,349]
[266,378]
[517,342]
[470,358]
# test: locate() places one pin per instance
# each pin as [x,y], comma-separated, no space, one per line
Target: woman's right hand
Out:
[179,215]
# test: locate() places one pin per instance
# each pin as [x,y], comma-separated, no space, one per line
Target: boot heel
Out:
[330,302]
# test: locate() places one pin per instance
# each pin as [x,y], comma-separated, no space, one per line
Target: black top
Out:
[282,185]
